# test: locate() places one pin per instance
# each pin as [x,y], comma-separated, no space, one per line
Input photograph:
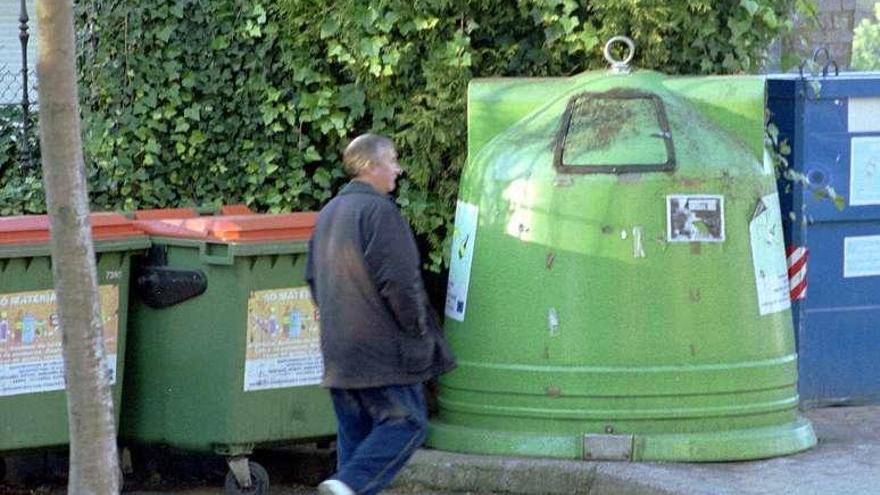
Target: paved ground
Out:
[845,462]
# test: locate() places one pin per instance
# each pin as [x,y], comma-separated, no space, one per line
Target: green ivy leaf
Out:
[220,43]
[192,113]
[165,33]
[260,13]
[329,28]
[751,6]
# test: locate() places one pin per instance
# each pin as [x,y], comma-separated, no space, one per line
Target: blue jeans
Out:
[379,430]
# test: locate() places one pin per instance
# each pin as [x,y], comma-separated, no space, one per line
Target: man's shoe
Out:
[334,487]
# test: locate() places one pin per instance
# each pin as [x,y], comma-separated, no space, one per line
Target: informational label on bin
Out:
[864,171]
[462,257]
[862,114]
[768,256]
[30,340]
[861,256]
[283,340]
[695,218]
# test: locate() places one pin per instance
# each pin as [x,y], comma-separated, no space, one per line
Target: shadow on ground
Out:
[158,469]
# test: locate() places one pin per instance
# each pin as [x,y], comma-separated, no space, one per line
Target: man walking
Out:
[379,336]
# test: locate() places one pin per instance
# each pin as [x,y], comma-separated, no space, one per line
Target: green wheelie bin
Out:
[224,348]
[33,404]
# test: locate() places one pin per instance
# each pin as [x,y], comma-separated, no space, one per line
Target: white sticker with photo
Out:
[695,218]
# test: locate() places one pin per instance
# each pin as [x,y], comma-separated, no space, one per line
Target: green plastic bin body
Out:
[33,403]
[618,286]
[191,381]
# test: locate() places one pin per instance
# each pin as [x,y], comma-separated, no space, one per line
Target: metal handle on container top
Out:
[825,68]
[620,66]
[815,59]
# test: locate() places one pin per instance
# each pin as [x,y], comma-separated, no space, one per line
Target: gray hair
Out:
[364,150]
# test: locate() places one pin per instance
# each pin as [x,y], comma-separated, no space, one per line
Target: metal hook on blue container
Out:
[814,62]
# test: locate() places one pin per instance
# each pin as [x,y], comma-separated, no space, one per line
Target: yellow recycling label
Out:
[30,340]
[283,340]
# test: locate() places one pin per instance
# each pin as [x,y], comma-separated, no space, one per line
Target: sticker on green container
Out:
[771,272]
[695,218]
[463,239]
[30,340]
[283,340]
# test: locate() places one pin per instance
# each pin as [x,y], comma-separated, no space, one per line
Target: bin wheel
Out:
[259,482]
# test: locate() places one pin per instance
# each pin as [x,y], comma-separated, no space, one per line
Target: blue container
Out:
[833,126]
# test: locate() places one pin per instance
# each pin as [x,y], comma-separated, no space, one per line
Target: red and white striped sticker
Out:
[796,256]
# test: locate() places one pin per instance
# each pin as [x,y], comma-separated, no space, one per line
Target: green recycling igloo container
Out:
[618,286]
[33,403]
[224,352]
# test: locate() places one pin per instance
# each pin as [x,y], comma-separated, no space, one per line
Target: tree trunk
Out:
[94,465]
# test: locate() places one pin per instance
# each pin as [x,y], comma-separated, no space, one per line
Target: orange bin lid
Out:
[236,209]
[34,229]
[235,228]
[160,213]
[163,213]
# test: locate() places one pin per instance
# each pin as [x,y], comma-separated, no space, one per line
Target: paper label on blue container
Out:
[30,340]
[861,256]
[462,256]
[768,256]
[862,114]
[864,171]
[283,340]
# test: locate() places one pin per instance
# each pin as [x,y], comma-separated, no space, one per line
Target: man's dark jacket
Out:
[377,327]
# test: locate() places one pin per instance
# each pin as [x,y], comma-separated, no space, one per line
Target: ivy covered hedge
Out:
[195,102]
[188,102]
[21,187]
